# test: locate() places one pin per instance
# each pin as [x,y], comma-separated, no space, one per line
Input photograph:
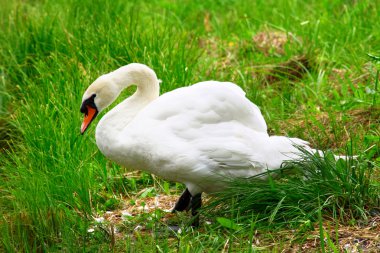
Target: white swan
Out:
[194,135]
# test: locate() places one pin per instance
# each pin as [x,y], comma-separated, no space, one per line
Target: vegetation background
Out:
[304,63]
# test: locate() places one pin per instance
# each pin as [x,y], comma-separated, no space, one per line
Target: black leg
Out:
[196,203]
[183,202]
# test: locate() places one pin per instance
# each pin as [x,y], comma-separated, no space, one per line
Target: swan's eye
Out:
[88,102]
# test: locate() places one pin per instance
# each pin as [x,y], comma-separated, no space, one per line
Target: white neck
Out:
[137,74]
[121,115]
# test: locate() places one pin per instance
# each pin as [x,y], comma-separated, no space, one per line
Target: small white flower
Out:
[125,213]
[90,230]
[99,220]
[368,90]
[138,227]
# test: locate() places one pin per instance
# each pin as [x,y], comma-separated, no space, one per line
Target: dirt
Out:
[270,41]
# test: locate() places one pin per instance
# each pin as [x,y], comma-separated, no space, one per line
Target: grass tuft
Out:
[301,189]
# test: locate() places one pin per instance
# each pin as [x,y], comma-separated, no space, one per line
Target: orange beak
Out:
[88,118]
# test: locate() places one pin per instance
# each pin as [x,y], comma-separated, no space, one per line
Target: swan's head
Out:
[100,94]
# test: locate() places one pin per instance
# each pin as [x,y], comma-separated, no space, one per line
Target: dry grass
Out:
[352,238]
[293,69]
[321,127]
[347,238]
[274,42]
[364,75]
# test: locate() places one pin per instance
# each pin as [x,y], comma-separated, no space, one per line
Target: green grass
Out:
[53,181]
[298,192]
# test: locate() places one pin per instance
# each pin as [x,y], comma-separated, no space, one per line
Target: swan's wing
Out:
[205,103]
[241,152]
[208,125]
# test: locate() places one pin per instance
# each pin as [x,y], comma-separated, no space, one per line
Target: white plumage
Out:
[194,135]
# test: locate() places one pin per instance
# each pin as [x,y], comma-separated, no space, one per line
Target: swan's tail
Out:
[296,148]
[304,146]
[337,157]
